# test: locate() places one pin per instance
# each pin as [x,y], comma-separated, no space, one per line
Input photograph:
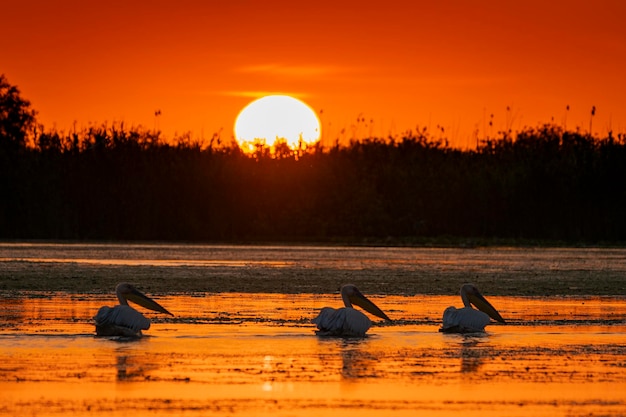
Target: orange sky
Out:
[425,63]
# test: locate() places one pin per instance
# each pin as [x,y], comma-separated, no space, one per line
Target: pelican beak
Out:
[143,300]
[485,306]
[362,301]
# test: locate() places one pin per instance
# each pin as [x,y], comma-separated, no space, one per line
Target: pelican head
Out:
[126,292]
[471,296]
[351,295]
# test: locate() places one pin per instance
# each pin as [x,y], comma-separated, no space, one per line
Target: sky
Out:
[457,68]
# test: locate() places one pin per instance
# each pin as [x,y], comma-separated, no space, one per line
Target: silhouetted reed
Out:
[113,182]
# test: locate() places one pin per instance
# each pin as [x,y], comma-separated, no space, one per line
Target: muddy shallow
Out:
[236,353]
[179,268]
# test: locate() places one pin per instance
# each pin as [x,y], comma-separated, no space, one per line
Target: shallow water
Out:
[256,354]
[241,342]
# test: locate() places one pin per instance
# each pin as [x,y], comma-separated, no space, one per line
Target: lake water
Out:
[255,353]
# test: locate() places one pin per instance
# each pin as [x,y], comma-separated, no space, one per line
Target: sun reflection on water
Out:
[244,354]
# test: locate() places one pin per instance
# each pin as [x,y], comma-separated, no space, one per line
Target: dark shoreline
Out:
[390,242]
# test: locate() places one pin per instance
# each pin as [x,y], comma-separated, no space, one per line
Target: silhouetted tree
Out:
[17,119]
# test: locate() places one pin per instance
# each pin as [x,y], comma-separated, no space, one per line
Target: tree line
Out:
[111,182]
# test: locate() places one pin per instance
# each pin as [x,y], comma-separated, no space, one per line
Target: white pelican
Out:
[123,320]
[466,319]
[347,321]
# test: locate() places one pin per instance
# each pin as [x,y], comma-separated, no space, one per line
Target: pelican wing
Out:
[345,321]
[464,320]
[121,319]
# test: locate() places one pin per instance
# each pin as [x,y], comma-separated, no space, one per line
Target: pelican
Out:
[123,320]
[466,319]
[347,321]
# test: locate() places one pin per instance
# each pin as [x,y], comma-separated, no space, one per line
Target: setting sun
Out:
[276,118]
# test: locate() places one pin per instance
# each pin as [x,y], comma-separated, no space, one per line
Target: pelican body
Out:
[467,319]
[123,320]
[346,321]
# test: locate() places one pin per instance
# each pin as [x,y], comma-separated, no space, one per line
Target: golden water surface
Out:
[235,354]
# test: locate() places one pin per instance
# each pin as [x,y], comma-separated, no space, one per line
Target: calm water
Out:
[236,354]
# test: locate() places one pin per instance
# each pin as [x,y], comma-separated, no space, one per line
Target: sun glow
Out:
[271,120]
